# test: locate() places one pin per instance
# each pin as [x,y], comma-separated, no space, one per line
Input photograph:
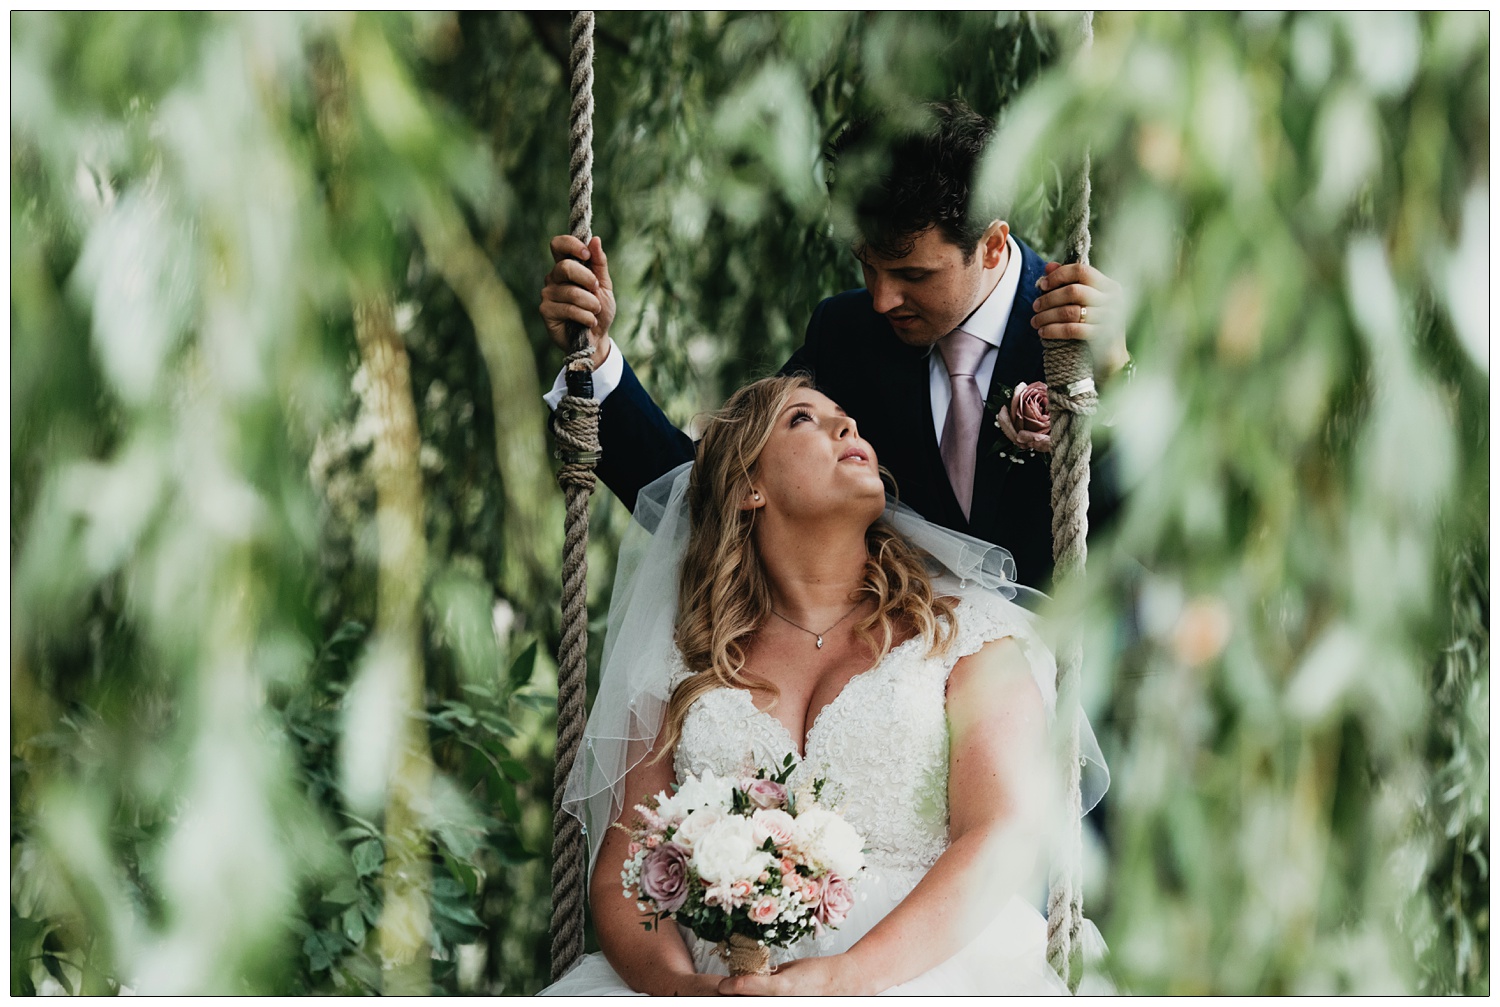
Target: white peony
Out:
[708,792]
[829,842]
[726,852]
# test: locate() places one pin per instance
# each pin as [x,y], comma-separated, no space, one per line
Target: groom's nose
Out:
[885,294]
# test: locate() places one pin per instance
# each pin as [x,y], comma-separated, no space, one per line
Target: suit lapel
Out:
[1019,359]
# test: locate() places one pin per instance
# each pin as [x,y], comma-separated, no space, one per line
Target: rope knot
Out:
[1070,377]
[1077,397]
[576,427]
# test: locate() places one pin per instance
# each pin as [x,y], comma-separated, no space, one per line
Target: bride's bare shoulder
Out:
[996,675]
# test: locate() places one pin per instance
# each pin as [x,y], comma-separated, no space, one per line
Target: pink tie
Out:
[962,353]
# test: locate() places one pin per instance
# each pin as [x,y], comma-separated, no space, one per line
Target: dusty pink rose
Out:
[664,877]
[764,910]
[1026,421]
[766,794]
[837,901]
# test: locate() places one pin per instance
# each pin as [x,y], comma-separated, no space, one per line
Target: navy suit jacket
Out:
[858,361]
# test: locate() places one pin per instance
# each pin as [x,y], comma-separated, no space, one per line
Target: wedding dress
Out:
[882,745]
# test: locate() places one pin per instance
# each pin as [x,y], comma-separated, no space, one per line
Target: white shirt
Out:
[987,322]
[606,379]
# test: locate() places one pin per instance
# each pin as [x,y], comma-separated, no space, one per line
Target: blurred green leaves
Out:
[1306,452]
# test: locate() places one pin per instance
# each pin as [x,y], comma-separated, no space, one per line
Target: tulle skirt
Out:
[1007,954]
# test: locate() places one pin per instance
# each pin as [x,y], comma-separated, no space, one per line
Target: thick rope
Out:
[577,431]
[1072,400]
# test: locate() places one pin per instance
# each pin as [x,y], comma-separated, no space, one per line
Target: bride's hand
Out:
[696,984]
[830,976]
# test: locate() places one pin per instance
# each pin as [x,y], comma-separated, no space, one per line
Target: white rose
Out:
[830,842]
[726,852]
[694,825]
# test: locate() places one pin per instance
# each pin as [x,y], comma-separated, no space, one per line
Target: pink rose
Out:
[766,794]
[774,824]
[1026,421]
[664,877]
[788,867]
[812,890]
[633,848]
[653,841]
[837,901]
[764,910]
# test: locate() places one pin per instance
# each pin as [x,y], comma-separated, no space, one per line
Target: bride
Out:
[879,651]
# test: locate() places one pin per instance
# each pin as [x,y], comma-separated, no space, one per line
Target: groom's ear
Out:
[992,245]
[752,500]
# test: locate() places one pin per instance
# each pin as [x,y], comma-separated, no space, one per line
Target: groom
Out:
[951,318]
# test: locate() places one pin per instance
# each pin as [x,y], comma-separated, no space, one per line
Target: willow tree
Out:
[1286,607]
[1287,625]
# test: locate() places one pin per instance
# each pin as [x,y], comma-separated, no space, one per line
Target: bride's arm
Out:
[655,961]
[999,780]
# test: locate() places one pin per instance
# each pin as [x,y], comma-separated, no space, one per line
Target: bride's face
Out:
[815,464]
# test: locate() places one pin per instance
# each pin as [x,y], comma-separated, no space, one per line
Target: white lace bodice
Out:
[882,743]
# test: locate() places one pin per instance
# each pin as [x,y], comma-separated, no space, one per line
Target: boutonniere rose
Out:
[1024,419]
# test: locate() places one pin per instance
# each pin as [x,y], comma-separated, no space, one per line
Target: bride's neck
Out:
[812,572]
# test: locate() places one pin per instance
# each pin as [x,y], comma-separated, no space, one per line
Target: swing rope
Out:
[577,432]
[1072,400]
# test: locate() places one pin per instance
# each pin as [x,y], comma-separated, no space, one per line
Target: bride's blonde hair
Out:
[723,595]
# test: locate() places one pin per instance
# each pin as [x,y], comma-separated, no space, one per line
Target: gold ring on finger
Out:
[1083,314]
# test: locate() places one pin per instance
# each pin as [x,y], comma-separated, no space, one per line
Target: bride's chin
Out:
[869,506]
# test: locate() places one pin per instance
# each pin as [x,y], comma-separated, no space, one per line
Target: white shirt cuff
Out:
[606,379]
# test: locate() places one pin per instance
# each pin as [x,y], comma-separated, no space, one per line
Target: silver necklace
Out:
[812,633]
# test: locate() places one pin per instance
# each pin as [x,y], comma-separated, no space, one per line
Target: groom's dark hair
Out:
[902,180]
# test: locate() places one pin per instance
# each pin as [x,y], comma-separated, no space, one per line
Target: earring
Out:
[757,496]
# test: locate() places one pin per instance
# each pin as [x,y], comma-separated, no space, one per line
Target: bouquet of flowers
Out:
[747,863]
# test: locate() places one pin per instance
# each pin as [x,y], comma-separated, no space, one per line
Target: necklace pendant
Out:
[820,643]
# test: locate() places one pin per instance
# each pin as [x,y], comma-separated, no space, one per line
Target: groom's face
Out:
[927,292]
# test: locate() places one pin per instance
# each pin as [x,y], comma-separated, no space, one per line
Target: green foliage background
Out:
[1286,633]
